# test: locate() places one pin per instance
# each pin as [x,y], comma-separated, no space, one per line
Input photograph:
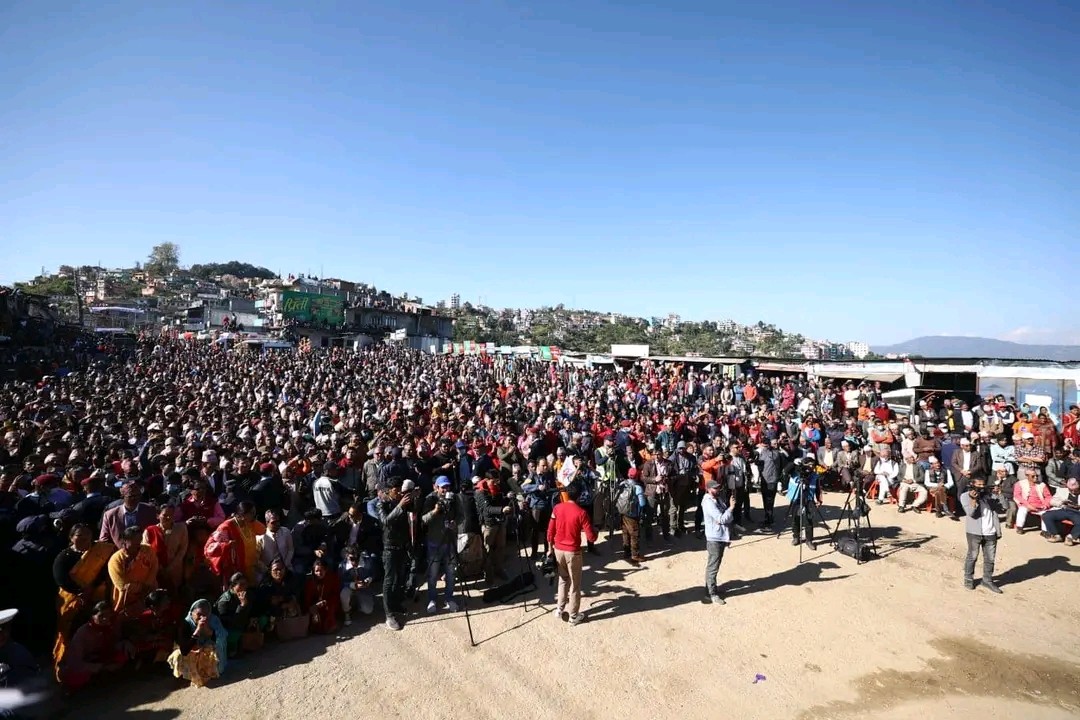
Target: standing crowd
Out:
[187,504]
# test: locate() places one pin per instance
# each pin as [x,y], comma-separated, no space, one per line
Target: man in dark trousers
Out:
[717,518]
[983,530]
[394,514]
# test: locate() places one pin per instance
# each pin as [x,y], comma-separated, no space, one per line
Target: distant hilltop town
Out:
[236,295]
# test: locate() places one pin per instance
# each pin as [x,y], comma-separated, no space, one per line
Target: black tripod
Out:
[465,597]
[856,511]
[805,511]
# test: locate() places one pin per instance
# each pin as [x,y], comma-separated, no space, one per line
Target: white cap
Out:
[1027,436]
[407,486]
[7,616]
[475,479]
[932,460]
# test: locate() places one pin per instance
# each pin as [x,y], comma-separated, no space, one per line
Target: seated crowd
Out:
[189,505]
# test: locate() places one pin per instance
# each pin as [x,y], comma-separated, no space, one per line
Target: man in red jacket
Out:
[568,520]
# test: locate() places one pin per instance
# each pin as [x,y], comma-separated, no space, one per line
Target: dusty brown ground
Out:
[896,638]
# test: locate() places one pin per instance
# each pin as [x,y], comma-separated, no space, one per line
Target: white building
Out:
[858,349]
[455,301]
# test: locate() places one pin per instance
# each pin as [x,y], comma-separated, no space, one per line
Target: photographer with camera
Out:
[983,532]
[803,493]
[394,512]
[494,511]
[442,508]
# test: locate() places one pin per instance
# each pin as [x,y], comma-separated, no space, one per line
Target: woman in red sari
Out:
[95,648]
[231,547]
[322,598]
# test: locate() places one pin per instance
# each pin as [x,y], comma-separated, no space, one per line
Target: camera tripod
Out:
[856,511]
[465,596]
[807,510]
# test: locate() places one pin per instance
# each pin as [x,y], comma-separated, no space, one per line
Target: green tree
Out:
[164,259]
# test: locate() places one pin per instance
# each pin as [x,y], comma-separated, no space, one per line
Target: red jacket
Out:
[568,520]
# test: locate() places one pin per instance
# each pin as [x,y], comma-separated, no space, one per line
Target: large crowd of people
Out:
[185,504]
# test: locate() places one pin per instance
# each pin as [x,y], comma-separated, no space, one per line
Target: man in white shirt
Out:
[325,491]
[276,542]
[885,471]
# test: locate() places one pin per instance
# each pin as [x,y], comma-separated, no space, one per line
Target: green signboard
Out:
[312,307]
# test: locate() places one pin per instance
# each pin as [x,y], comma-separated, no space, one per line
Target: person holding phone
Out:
[983,531]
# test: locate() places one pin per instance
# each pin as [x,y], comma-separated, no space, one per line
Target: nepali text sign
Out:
[311,307]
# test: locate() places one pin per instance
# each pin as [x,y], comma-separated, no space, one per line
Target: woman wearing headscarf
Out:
[133,570]
[169,541]
[201,650]
[82,577]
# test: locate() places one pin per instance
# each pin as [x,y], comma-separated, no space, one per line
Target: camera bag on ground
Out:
[853,548]
[515,586]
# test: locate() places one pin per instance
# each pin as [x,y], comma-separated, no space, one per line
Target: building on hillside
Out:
[858,349]
[455,301]
[727,326]
[812,350]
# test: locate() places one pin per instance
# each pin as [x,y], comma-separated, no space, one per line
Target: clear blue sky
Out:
[800,163]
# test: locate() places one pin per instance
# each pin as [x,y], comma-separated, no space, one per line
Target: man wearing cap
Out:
[630,503]
[129,513]
[440,518]
[684,469]
[717,519]
[39,501]
[966,464]
[94,502]
[18,663]
[394,512]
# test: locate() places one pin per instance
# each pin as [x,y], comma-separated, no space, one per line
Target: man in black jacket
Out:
[493,510]
[397,526]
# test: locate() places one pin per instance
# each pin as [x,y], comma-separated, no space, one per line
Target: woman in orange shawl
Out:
[231,548]
[169,540]
[82,578]
[133,570]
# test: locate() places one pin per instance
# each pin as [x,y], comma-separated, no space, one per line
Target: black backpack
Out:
[626,498]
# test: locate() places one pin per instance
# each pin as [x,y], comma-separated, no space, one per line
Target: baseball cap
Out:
[632,473]
[681,444]
[712,485]
[442,481]
[407,486]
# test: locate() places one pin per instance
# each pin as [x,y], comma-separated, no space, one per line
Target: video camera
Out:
[446,503]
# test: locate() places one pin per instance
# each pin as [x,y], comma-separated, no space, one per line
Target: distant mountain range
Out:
[950,346]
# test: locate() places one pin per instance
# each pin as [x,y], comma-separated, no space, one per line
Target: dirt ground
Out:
[896,638]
